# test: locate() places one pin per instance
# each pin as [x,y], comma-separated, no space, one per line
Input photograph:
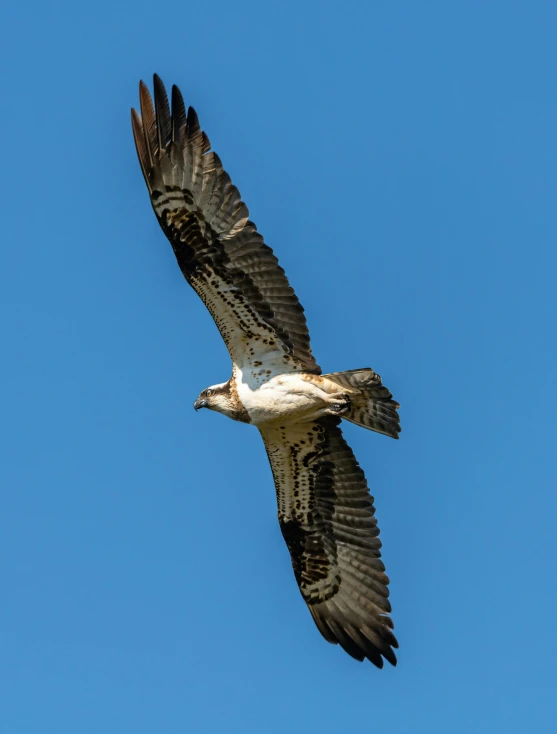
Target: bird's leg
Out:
[339,404]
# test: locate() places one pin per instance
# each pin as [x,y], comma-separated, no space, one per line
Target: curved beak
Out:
[199,404]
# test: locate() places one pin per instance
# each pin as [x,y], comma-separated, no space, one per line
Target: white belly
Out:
[285,398]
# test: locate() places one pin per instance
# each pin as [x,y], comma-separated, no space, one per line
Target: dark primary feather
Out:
[327,519]
[218,248]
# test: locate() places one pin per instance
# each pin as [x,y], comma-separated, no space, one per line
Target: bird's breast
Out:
[282,398]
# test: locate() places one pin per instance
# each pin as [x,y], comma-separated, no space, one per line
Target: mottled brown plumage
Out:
[218,249]
[325,511]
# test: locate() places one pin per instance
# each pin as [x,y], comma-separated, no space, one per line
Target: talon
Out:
[343,407]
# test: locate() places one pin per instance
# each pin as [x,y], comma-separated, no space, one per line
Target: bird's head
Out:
[216,397]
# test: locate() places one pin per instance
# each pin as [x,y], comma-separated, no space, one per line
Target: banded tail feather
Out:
[371,403]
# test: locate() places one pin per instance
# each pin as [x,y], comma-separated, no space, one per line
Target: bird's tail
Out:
[371,404]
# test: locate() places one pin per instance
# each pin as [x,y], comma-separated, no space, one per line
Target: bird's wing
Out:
[219,250]
[326,515]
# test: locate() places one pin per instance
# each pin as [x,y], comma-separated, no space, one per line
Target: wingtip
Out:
[179,117]
[193,120]
[158,85]
[145,98]
[392,659]
[162,113]
[140,146]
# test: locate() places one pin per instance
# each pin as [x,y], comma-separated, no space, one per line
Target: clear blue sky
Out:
[401,158]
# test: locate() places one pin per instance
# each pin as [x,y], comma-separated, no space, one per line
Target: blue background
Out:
[401,158]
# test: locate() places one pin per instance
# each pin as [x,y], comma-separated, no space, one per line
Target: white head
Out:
[216,397]
[224,399]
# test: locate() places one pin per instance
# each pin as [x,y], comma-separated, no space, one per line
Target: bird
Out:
[325,511]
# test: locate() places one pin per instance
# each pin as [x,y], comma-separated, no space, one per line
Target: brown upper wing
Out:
[326,515]
[218,248]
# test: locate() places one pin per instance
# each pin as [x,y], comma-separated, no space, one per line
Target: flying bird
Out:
[325,510]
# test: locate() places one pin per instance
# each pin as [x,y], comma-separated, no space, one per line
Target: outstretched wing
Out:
[218,248]
[326,515]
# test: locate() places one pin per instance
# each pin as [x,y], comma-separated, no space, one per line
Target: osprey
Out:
[325,511]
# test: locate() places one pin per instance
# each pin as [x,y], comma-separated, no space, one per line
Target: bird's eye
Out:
[208,392]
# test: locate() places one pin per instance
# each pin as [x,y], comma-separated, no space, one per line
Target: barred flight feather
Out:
[327,517]
[219,250]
